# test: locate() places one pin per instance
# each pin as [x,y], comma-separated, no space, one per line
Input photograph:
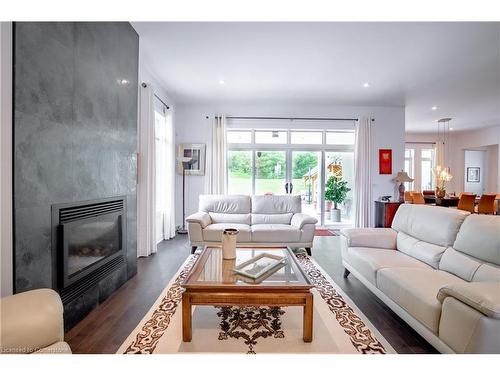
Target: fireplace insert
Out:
[88,236]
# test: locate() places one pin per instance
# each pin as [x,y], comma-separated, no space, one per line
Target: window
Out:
[270,137]
[419,163]
[409,156]
[239,166]
[239,136]
[292,161]
[427,162]
[340,138]
[306,138]
[165,169]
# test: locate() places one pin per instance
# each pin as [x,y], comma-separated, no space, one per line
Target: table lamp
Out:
[402,177]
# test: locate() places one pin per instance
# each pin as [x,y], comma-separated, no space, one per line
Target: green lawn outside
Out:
[243,185]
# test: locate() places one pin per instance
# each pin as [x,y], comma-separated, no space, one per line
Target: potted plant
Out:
[336,191]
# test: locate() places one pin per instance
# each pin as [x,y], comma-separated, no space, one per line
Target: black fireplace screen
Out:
[91,240]
[87,237]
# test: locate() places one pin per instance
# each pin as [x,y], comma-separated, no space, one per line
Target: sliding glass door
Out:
[240,172]
[340,165]
[297,162]
[270,172]
[306,180]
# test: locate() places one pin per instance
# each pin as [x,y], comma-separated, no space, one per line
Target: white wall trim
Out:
[6,236]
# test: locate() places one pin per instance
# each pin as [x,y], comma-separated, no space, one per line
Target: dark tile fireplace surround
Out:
[75,136]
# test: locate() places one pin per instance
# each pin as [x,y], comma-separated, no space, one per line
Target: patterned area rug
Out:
[339,326]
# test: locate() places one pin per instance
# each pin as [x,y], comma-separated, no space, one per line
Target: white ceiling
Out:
[454,66]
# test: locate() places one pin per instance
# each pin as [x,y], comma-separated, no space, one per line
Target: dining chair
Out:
[465,192]
[467,202]
[417,197]
[408,198]
[486,204]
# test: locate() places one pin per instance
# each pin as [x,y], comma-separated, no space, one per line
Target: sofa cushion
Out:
[437,225]
[421,250]
[271,218]
[276,204]
[275,233]
[479,236]
[367,261]
[415,290]
[229,204]
[213,232]
[218,217]
[459,264]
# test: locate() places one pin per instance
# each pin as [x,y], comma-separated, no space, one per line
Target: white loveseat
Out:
[438,269]
[262,220]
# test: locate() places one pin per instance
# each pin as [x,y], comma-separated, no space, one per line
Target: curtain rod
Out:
[290,118]
[421,143]
[144,84]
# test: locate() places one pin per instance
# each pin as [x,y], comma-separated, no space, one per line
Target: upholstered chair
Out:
[466,193]
[417,197]
[486,204]
[408,198]
[467,202]
[32,322]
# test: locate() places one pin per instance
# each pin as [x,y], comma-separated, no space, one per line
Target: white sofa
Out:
[438,269]
[262,220]
[32,322]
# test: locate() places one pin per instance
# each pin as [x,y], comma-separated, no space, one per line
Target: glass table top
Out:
[212,269]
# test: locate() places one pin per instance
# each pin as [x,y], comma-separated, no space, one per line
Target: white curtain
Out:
[363,166]
[165,175]
[146,206]
[216,176]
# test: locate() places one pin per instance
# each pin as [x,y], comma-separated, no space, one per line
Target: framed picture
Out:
[195,151]
[385,161]
[473,174]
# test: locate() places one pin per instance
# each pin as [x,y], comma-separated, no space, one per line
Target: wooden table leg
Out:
[308,318]
[186,318]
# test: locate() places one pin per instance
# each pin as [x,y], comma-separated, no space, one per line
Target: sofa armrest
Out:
[201,218]
[30,321]
[384,238]
[481,296]
[299,220]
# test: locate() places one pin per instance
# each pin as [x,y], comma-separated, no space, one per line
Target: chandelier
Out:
[441,171]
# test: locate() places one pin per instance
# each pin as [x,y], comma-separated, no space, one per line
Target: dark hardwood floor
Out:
[105,328]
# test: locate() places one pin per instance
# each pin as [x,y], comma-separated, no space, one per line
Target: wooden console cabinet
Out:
[384,213]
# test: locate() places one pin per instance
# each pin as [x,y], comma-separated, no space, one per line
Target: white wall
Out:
[6,263]
[475,158]
[487,139]
[192,126]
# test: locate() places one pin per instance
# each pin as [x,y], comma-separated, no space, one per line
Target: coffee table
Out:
[213,282]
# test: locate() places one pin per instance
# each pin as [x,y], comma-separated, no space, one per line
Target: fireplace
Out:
[89,241]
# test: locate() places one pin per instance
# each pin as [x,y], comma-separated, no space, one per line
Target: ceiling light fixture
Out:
[434,108]
[366,84]
[221,82]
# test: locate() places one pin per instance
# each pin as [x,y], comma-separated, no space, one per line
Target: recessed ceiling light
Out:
[366,84]
[221,82]
[434,108]
[123,81]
